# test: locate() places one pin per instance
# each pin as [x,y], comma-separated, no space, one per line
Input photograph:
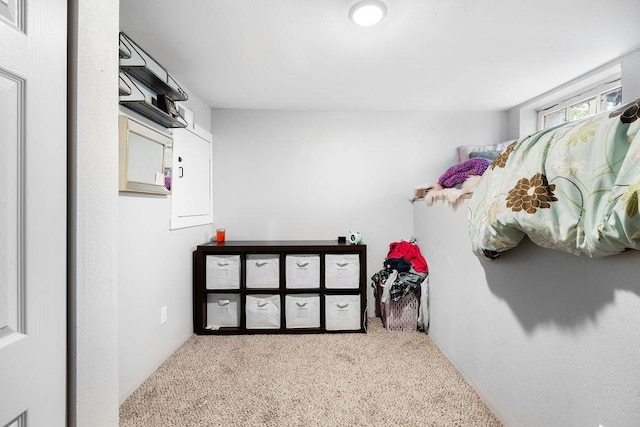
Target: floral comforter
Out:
[575,188]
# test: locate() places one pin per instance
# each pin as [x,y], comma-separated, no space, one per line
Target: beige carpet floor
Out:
[375,379]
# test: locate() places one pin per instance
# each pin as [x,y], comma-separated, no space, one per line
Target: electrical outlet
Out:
[163,315]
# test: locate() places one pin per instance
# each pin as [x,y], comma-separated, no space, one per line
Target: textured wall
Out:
[545,338]
[631,77]
[316,175]
[155,270]
[93,214]
[523,119]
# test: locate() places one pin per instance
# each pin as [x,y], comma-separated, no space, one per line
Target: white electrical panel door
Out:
[191,178]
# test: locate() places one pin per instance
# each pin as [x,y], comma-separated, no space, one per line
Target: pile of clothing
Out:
[404,271]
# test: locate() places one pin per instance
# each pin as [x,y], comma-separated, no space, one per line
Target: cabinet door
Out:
[191,178]
[302,311]
[263,311]
[342,271]
[342,312]
[223,310]
[263,271]
[222,272]
[302,271]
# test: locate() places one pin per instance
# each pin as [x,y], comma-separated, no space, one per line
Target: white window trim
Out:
[593,91]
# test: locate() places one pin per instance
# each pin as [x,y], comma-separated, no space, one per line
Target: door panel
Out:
[191,182]
[13,12]
[11,193]
[33,212]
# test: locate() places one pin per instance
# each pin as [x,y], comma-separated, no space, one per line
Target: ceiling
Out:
[425,55]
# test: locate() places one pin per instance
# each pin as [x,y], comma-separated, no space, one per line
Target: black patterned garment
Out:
[405,283]
[381,276]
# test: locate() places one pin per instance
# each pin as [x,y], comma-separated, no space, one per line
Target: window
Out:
[603,97]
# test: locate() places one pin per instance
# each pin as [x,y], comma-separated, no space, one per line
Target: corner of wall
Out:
[631,76]
[201,111]
[93,214]
[154,274]
[522,119]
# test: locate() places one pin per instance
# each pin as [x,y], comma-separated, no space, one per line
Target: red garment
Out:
[411,253]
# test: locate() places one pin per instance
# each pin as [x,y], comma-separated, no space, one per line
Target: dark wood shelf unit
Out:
[281,249]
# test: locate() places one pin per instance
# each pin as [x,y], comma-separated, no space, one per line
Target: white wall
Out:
[93,213]
[546,338]
[631,77]
[316,175]
[155,270]
[523,119]
[124,262]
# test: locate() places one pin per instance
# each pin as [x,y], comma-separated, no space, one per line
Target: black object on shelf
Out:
[146,103]
[157,115]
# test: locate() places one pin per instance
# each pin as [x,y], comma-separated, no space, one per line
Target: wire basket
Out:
[401,315]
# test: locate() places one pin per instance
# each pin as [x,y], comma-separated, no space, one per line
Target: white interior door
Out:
[33,143]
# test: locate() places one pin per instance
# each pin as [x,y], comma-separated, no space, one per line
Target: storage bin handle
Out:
[222,263]
[342,264]
[224,302]
[343,305]
[302,263]
[260,263]
[262,304]
[301,304]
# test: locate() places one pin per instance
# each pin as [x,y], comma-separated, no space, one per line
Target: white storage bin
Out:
[342,312]
[342,271]
[263,271]
[263,311]
[303,271]
[222,310]
[223,271]
[302,311]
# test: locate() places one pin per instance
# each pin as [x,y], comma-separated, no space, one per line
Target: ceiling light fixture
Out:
[367,12]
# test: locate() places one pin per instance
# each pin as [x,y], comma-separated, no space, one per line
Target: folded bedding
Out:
[574,188]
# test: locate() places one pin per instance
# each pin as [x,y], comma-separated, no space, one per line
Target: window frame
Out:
[565,104]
